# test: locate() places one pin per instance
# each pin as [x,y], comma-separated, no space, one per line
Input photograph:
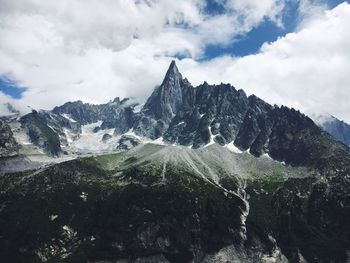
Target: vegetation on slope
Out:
[172,203]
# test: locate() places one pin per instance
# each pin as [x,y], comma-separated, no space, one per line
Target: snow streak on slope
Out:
[68,117]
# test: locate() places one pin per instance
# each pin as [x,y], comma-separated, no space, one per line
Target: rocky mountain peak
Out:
[166,99]
[173,74]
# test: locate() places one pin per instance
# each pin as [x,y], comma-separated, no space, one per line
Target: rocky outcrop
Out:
[195,116]
[163,104]
[106,137]
[8,145]
[209,112]
[190,116]
[115,114]
[166,100]
[66,128]
[126,142]
[40,133]
[181,114]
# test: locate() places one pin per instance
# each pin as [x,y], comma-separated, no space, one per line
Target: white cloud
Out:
[255,11]
[5,109]
[308,70]
[97,49]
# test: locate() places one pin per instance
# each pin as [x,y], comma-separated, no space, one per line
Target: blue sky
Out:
[11,88]
[266,31]
[49,57]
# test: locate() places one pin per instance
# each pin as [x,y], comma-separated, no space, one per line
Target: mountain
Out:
[115,114]
[335,127]
[198,174]
[178,113]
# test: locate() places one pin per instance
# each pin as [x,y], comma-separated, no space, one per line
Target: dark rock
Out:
[8,145]
[167,99]
[256,121]
[220,140]
[115,114]
[106,137]
[40,133]
[96,129]
[126,142]
[187,112]
[60,124]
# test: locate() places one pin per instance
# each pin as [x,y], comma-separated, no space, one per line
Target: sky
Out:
[287,52]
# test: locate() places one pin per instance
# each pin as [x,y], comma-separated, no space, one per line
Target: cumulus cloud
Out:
[98,49]
[308,69]
[94,50]
[11,106]
[255,11]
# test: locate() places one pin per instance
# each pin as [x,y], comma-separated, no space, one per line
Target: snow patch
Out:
[69,135]
[145,140]
[19,134]
[138,108]
[68,117]
[266,155]
[158,141]
[232,148]
[91,142]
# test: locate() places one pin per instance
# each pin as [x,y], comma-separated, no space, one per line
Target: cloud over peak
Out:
[96,50]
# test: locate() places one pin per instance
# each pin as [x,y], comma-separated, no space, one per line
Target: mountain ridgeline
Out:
[235,179]
[178,113]
[335,127]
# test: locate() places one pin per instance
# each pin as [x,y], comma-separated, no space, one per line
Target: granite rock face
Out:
[116,114]
[178,113]
[163,104]
[8,144]
[126,142]
[66,128]
[195,116]
[52,130]
[106,137]
[190,116]
[166,100]
[40,133]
